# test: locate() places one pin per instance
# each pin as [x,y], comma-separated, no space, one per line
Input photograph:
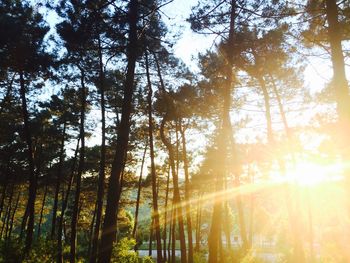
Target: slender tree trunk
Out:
[13,215]
[227,229]
[167,143]
[298,252]
[280,107]
[339,77]
[225,136]
[270,136]
[155,212]
[58,182]
[8,212]
[91,233]
[170,232]
[150,240]
[101,177]
[5,185]
[341,88]
[177,199]
[173,233]
[139,195]
[198,223]
[187,194]
[64,206]
[32,179]
[74,222]
[42,209]
[166,216]
[109,225]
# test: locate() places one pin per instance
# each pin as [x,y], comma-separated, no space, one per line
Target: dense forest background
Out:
[112,149]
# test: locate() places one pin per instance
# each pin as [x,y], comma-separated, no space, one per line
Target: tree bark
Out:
[166,216]
[13,215]
[167,143]
[32,177]
[101,176]
[42,209]
[263,87]
[74,222]
[155,212]
[6,220]
[339,77]
[109,225]
[198,223]
[187,194]
[64,206]
[58,182]
[177,198]
[139,194]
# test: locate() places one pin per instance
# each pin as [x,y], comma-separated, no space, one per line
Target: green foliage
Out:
[123,253]
[43,251]
[10,251]
[199,257]
[147,259]
[250,257]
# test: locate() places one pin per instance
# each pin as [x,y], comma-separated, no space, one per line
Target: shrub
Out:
[147,259]
[123,253]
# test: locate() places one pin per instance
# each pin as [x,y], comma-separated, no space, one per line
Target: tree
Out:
[113,193]
[22,52]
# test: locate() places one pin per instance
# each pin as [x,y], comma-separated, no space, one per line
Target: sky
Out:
[189,44]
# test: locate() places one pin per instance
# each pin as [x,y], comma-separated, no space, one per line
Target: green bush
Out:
[199,257]
[147,259]
[43,251]
[123,253]
[11,251]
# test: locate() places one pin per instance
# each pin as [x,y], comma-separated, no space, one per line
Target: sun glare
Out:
[310,174]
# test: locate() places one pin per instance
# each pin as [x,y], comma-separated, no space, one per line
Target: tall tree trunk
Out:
[280,107]
[227,229]
[177,198]
[139,194]
[151,233]
[170,232]
[173,232]
[166,216]
[74,222]
[58,182]
[109,225]
[198,223]
[225,136]
[101,176]
[341,88]
[339,78]
[155,212]
[187,193]
[32,178]
[6,220]
[13,215]
[64,206]
[42,209]
[167,143]
[5,185]
[91,233]
[298,252]
[266,95]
